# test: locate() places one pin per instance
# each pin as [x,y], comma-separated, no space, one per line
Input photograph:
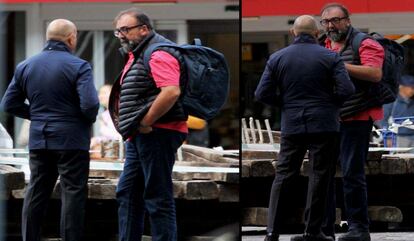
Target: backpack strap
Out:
[148,52]
[356,44]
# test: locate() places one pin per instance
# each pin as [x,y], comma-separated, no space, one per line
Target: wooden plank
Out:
[385,214]
[373,168]
[251,155]
[254,216]
[102,189]
[104,174]
[193,160]
[10,179]
[388,166]
[408,158]
[182,176]
[410,165]
[203,163]
[118,166]
[105,189]
[228,193]
[245,170]
[195,190]
[393,165]
[190,157]
[259,168]
[375,155]
[205,153]
[19,193]
[257,216]
[218,177]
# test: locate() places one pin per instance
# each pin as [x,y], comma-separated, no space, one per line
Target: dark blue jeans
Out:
[354,144]
[146,184]
[45,166]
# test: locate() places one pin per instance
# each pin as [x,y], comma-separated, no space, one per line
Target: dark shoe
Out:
[354,235]
[312,237]
[271,237]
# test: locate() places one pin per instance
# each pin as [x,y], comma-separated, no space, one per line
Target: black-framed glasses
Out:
[124,30]
[335,20]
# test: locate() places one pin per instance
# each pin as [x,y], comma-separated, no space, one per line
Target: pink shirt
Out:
[371,54]
[165,70]
[127,65]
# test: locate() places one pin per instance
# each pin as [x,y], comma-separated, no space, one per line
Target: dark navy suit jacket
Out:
[63,101]
[309,83]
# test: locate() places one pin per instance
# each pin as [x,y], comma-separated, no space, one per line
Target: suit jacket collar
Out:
[304,38]
[56,46]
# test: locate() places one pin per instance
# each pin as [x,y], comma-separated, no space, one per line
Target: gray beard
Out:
[337,35]
[128,46]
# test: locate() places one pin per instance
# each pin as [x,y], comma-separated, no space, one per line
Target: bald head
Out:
[305,24]
[61,30]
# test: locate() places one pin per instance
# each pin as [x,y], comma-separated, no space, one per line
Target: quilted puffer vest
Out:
[363,98]
[129,102]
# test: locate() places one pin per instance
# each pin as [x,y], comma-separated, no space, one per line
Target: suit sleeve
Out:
[13,100]
[266,91]
[344,87]
[89,103]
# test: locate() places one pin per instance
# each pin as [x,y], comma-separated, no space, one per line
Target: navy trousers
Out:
[45,166]
[354,144]
[323,151]
[146,185]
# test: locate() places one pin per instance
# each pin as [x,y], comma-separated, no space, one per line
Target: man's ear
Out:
[316,33]
[292,32]
[147,30]
[71,40]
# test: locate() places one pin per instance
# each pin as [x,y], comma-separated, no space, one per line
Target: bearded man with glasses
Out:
[355,128]
[145,108]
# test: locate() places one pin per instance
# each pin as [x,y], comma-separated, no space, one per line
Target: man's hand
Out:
[144,129]
[161,105]
[367,73]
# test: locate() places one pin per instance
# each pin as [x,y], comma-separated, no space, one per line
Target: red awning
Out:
[114,1]
[256,8]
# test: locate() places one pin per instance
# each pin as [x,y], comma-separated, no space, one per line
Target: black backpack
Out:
[387,89]
[207,78]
